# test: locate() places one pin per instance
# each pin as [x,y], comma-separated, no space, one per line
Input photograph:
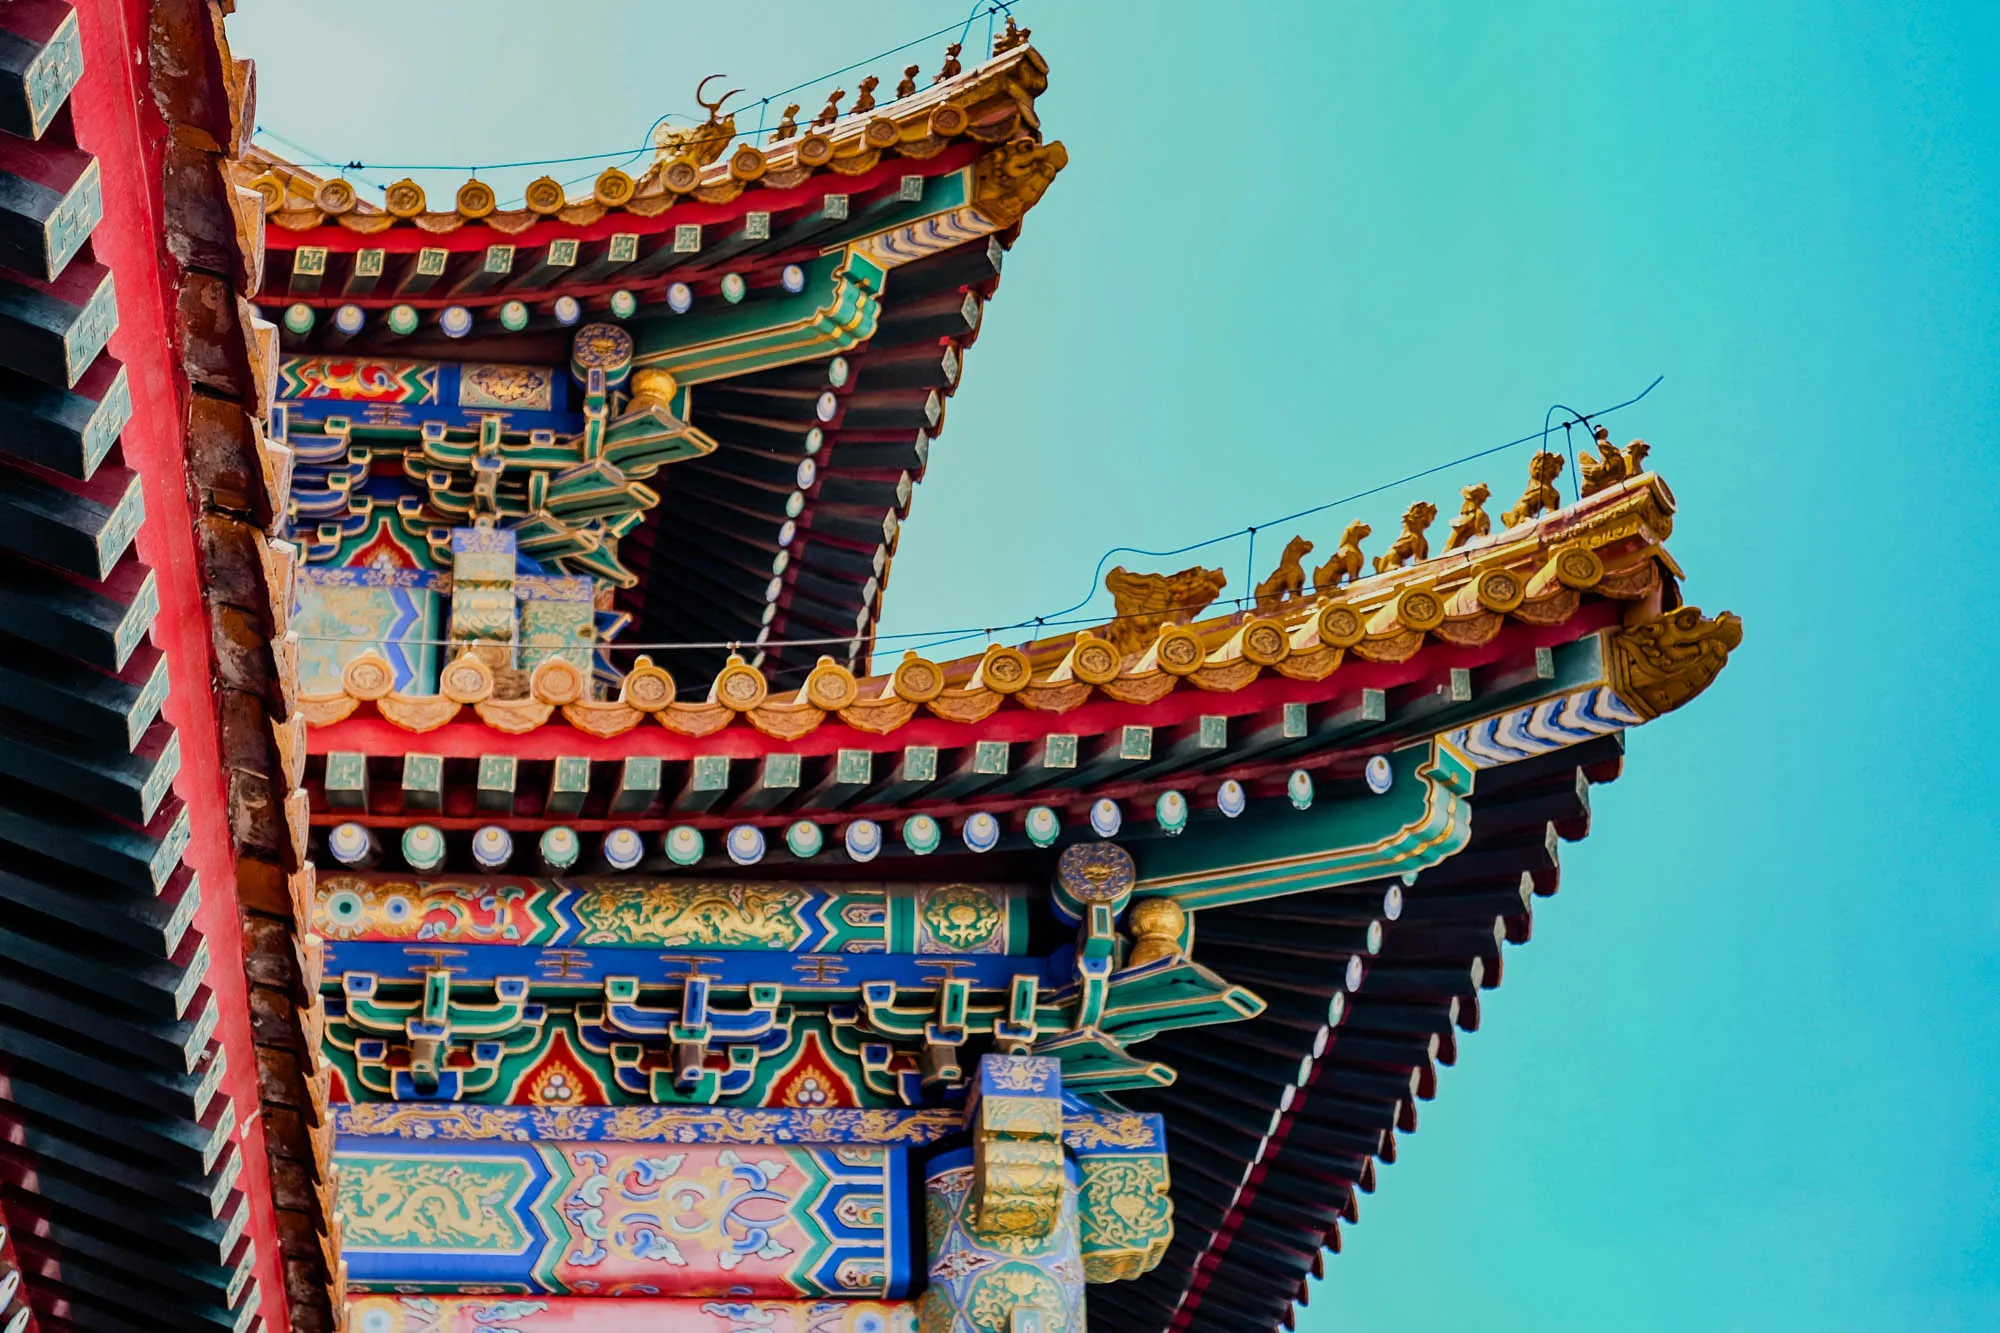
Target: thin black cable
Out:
[1062,619]
[992,7]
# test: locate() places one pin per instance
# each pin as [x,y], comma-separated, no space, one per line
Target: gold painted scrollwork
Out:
[1659,664]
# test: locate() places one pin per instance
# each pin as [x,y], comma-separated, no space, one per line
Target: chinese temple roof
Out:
[894,221]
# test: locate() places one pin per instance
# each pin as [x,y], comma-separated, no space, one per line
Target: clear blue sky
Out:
[1744,1075]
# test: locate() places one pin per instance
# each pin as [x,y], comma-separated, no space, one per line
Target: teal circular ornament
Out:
[1171,810]
[745,844]
[349,844]
[299,318]
[402,320]
[804,839]
[815,440]
[684,845]
[560,847]
[514,316]
[1042,827]
[921,834]
[423,847]
[981,832]
[1229,798]
[624,305]
[1380,774]
[623,848]
[1106,818]
[795,504]
[734,288]
[837,371]
[492,847]
[864,839]
[1299,786]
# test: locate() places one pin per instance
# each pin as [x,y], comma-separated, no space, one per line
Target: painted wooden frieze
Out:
[618,1219]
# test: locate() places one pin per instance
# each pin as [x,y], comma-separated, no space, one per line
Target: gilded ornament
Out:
[1498,589]
[1011,36]
[1090,873]
[1156,926]
[1093,660]
[917,679]
[558,681]
[467,679]
[1541,495]
[647,688]
[545,196]
[1288,580]
[1011,179]
[1145,602]
[368,676]
[1179,650]
[334,197]
[747,163]
[964,917]
[1004,670]
[1659,664]
[1419,608]
[405,198]
[815,150]
[613,188]
[704,143]
[271,190]
[1265,641]
[831,687]
[739,686]
[1125,1216]
[1340,625]
[475,199]
[682,175]
[1471,521]
[1411,545]
[1577,566]
[881,132]
[1611,465]
[1345,567]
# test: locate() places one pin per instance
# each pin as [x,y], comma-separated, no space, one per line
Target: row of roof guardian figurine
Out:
[1145,602]
[788,126]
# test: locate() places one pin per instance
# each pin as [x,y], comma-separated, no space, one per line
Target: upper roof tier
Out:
[793,318]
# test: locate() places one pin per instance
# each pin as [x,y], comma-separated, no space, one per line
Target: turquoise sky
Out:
[1743,1077]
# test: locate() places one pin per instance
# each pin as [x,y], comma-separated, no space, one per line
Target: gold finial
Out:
[1471,521]
[1410,546]
[908,86]
[1146,602]
[788,125]
[831,111]
[1288,580]
[1014,35]
[1611,465]
[1541,494]
[1345,567]
[951,65]
[704,142]
[1155,925]
[864,96]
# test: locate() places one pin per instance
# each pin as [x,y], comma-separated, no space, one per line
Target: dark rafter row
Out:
[1275,1127]
[712,553]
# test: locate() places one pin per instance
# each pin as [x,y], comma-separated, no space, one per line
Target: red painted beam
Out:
[117,119]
